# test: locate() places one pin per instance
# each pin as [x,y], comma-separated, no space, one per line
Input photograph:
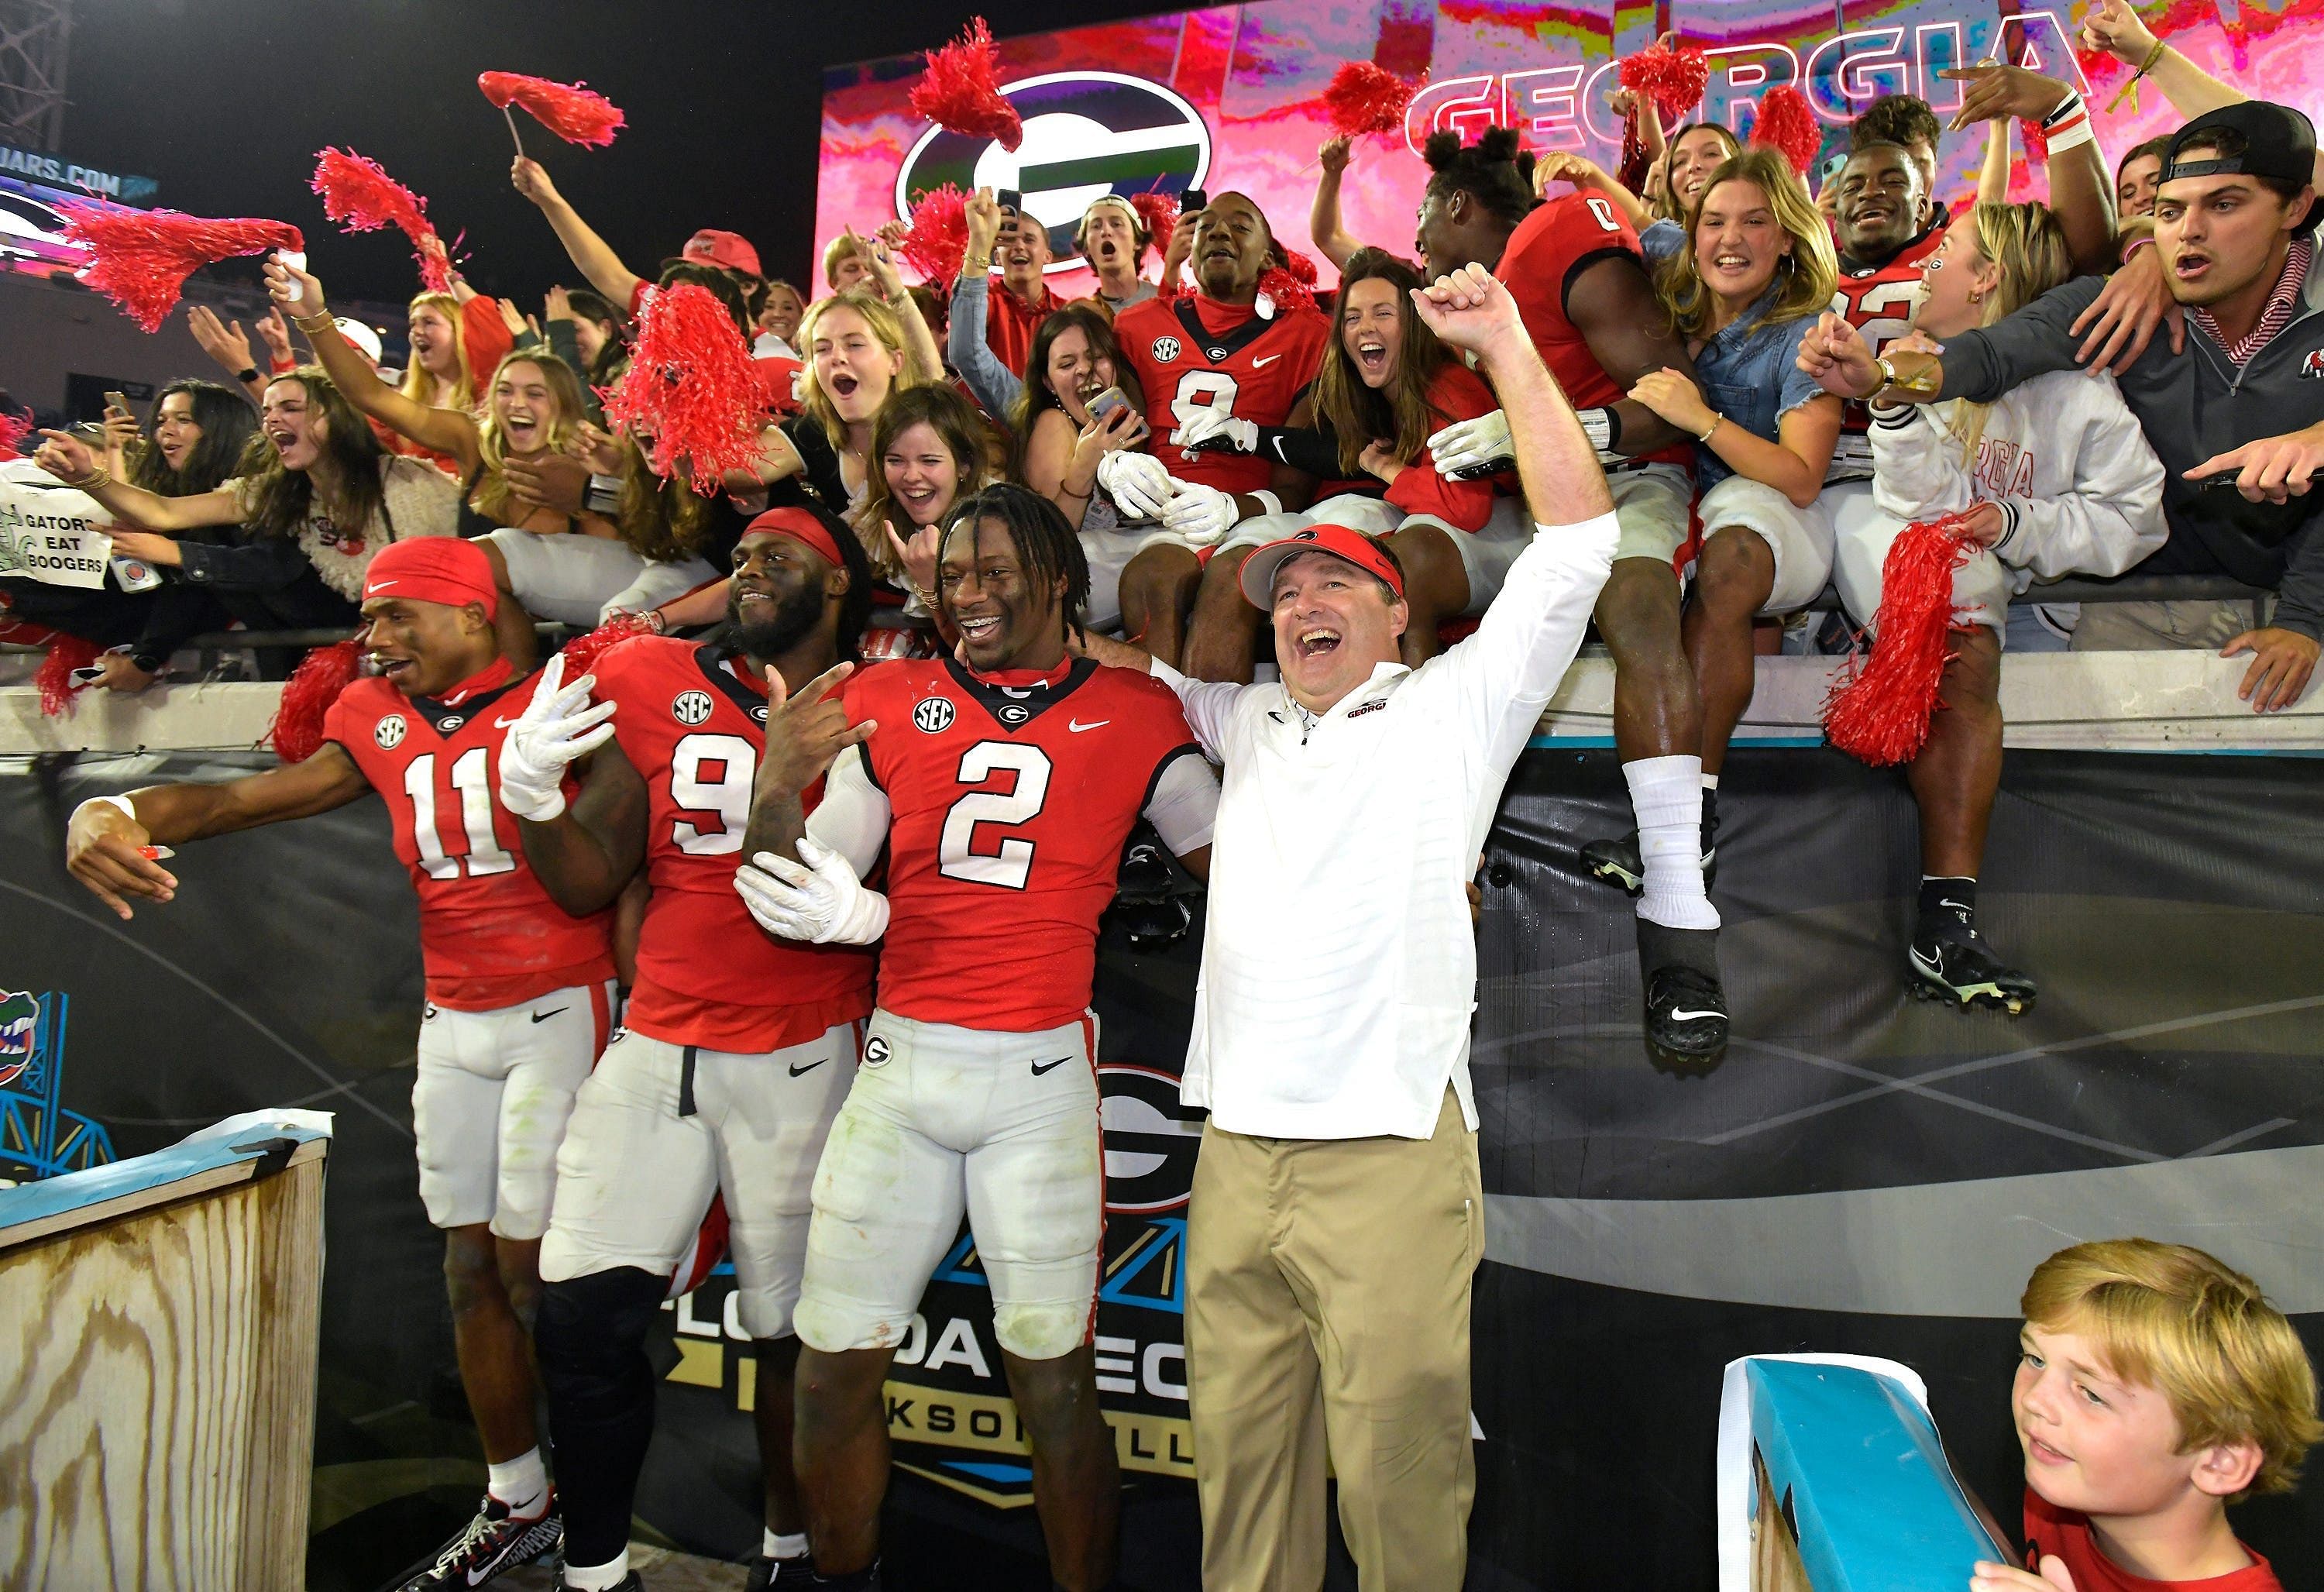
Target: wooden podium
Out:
[158,1397]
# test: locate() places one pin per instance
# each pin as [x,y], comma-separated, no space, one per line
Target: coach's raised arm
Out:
[1337,1200]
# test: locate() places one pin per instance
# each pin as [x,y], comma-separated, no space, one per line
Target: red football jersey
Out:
[1193,355]
[1878,302]
[1010,803]
[692,725]
[1457,394]
[2052,1532]
[489,934]
[1548,250]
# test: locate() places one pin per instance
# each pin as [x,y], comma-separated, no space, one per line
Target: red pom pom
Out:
[297,731]
[937,239]
[1880,712]
[961,90]
[360,196]
[575,113]
[1159,212]
[1285,290]
[1366,98]
[141,258]
[1674,79]
[54,677]
[15,425]
[582,653]
[1302,269]
[690,386]
[1787,123]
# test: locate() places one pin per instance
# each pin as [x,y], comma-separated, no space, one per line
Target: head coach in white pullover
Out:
[1338,1212]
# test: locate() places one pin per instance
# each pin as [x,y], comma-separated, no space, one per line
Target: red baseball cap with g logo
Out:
[1259,570]
[728,251]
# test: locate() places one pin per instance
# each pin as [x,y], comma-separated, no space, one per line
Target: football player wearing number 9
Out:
[1002,787]
[735,1049]
[519,995]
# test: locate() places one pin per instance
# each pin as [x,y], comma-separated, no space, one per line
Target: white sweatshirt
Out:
[2079,488]
[1338,964]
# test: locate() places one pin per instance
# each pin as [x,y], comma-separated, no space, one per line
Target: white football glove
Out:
[1221,428]
[1475,445]
[556,726]
[819,900]
[1139,484]
[1201,514]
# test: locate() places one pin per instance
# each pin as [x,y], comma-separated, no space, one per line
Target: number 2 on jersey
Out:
[472,783]
[1010,864]
[1200,393]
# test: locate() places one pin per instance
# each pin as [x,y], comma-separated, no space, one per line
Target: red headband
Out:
[799,525]
[432,569]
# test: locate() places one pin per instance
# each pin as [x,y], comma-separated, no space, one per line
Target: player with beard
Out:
[736,1050]
[519,995]
[1574,266]
[1202,361]
[1001,792]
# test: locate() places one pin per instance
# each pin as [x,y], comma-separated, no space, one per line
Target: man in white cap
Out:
[1338,1211]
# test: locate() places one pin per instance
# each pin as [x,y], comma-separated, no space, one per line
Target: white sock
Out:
[1666,795]
[598,1578]
[522,1483]
[794,1545]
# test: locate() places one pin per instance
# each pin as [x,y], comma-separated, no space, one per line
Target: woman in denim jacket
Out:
[1758,270]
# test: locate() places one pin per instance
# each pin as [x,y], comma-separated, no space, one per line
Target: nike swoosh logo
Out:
[1934,969]
[1041,1067]
[544,1016]
[504,723]
[811,1066]
[380,585]
[1077,726]
[1956,906]
[1260,364]
[1687,1016]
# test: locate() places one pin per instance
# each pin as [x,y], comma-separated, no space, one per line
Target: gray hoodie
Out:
[2191,405]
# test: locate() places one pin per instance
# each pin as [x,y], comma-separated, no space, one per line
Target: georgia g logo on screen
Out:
[1086,133]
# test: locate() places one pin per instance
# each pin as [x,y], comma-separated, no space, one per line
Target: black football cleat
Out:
[780,1575]
[1686,1009]
[490,1545]
[1616,859]
[1952,963]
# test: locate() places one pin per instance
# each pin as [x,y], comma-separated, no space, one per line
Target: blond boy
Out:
[2156,1388]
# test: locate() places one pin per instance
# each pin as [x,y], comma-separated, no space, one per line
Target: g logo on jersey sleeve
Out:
[690,708]
[389,732]
[934,715]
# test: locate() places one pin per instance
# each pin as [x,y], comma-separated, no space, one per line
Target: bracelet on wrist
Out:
[98,477]
[1706,434]
[311,324]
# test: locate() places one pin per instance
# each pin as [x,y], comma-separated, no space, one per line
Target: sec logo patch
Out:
[1166,350]
[389,731]
[690,708]
[934,715]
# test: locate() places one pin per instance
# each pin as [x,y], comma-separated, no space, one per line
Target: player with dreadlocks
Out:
[1580,281]
[1001,784]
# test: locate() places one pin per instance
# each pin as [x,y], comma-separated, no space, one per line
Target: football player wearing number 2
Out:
[736,1050]
[519,995]
[1001,786]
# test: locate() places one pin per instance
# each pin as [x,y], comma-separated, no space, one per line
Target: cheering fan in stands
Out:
[780,310]
[1024,302]
[932,449]
[457,342]
[858,352]
[2231,228]
[1060,439]
[1675,182]
[1113,238]
[1325,227]
[2136,178]
[200,432]
[729,255]
[1574,266]
[317,498]
[2057,480]
[1757,271]
[1201,360]
[587,332]
[520,996]
[735,1049]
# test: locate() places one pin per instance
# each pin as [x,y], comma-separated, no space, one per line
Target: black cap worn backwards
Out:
[2279,143]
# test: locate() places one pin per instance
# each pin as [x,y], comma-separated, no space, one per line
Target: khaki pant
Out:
[2206,622]
[1327,1296]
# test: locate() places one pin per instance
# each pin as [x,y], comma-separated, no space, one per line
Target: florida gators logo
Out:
[19,1015]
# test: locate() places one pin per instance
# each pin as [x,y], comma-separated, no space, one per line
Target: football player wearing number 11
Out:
[736,1050]
[519,993]
[1001,786]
